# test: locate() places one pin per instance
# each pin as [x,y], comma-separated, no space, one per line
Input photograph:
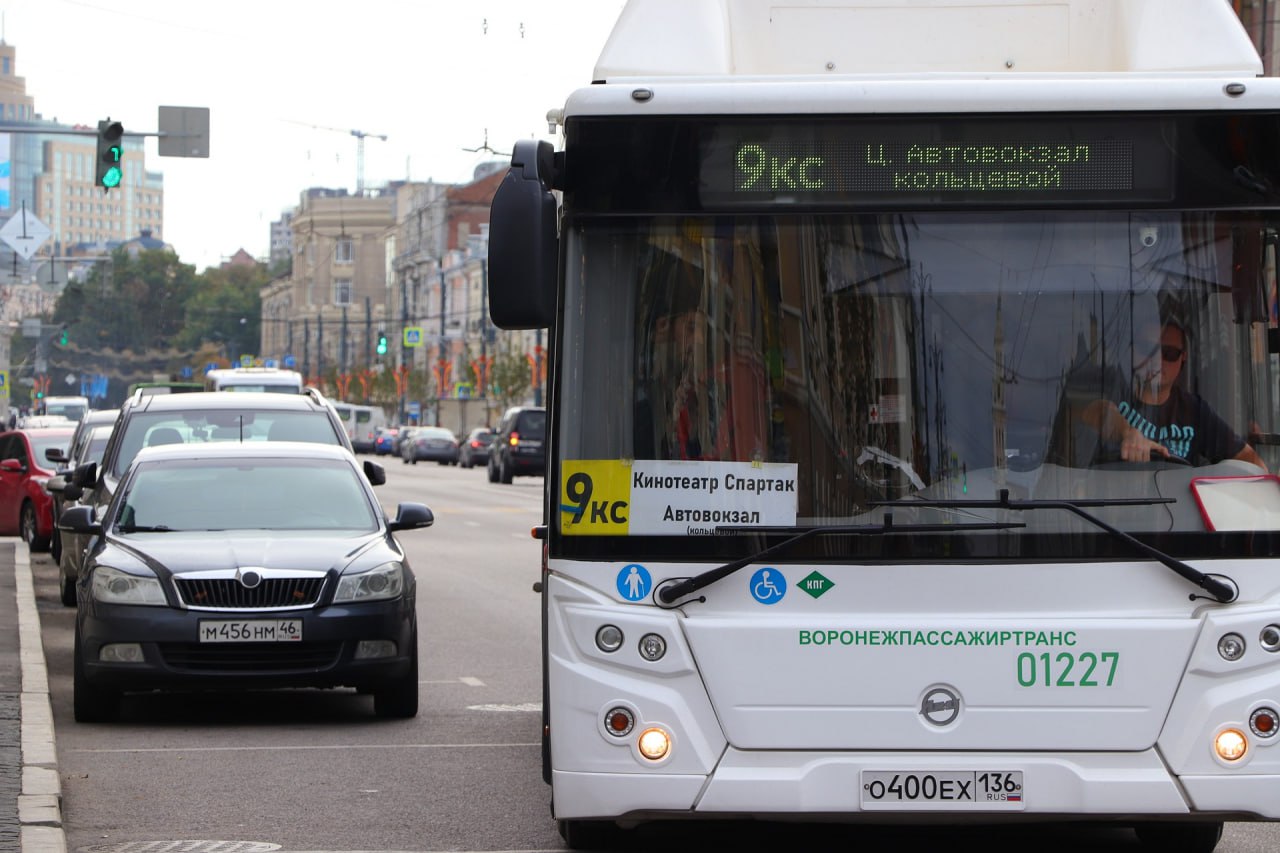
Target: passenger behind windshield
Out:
[1151,414]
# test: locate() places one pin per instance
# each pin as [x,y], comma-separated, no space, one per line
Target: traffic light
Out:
[382,343]
[62,337]
[110,171]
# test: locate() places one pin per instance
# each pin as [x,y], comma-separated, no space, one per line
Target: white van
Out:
[71,408]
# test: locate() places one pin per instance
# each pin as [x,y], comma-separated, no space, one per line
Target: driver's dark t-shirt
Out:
[1184,423]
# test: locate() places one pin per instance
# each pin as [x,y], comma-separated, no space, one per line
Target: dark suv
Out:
[147,420]
[519,444]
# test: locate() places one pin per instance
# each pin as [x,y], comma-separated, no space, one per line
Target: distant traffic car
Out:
[517,448]
[250,565]
[26,508]
[89,447]
[384,442]
[474,449]
[434,444]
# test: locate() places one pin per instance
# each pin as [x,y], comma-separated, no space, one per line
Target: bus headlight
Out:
[654,743]
[609,638]
[1230,745]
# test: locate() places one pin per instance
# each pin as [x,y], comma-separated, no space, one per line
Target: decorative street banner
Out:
[606,497]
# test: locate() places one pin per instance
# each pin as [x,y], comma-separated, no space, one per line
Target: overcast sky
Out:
[287,80]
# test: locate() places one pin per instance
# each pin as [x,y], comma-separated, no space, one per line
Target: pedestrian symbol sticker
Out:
[634,582]
[768,586]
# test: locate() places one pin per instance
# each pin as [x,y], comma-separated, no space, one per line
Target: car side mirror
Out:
[85,475]
[55,454]
[411,516]
[12,466]
[374,473]
[79,519]
[71,492]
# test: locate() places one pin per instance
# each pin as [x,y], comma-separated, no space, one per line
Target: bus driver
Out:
[1154,415]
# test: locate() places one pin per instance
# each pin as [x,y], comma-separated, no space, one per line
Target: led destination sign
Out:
[935,162]
[908,167]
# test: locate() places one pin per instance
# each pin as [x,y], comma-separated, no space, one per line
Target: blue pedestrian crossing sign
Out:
[4,383]
[413,336]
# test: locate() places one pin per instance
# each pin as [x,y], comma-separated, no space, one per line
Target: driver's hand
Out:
[1136,447]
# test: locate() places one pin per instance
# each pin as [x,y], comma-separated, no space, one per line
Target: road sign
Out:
[184,132]
[4,383]
[413,336]
[25,233]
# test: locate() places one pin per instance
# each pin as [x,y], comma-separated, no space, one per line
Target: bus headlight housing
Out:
[654,743]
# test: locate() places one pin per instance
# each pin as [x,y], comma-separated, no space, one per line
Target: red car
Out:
[26,509]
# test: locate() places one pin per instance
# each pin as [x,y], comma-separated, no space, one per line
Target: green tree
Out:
[510,378]
[227,310]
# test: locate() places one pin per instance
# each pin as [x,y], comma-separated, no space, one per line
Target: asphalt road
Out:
[316,771]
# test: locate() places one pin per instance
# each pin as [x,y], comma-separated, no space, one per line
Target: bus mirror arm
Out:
[1220,587]
[667,594]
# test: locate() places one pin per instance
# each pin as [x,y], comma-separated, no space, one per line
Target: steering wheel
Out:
[1108,456]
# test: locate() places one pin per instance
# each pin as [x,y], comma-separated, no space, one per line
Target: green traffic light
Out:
[382,344]
[111,177]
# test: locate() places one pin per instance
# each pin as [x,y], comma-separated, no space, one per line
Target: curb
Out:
[40,803]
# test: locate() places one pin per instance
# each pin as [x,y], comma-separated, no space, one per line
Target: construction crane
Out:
[360,137]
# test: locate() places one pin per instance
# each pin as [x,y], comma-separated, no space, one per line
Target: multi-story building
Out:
[52,170]
[326,313]
[281,241]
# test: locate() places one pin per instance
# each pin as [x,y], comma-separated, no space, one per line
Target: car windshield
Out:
[245,494]
[146,429]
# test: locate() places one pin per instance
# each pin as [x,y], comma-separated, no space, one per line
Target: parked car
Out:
[227,566]
[209,417]
[518,448]
[432,444]
[474,449]
[384,443]
[89,447]
[26,508]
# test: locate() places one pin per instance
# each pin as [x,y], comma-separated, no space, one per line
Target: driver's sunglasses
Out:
[1171,353]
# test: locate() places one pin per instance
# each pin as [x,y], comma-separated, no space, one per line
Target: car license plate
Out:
[966,787]
[250,630]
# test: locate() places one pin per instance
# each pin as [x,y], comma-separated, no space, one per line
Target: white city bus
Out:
[836,527]
[254,379]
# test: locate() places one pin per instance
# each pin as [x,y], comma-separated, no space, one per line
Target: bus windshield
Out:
[929,356]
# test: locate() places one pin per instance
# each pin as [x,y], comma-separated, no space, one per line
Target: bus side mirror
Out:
[524,246]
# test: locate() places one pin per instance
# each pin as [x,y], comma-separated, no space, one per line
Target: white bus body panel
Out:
[762,724]
[836,38]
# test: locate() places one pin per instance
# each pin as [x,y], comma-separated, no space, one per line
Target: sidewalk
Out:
[30,788]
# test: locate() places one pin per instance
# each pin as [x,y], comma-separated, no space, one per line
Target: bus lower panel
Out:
[828,786]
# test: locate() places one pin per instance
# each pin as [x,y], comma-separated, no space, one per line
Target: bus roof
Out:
[841,38]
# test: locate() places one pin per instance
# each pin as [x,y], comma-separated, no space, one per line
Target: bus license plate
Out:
[250,630]
[977,787]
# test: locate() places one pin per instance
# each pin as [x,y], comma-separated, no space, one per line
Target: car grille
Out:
[252,658]
[230,594]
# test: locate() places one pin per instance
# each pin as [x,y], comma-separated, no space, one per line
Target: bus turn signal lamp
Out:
[1265,722]
[1230,745]
[654,744]
[619,721]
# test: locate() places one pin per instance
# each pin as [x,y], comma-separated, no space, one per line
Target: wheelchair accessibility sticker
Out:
[634,582]
[768,586]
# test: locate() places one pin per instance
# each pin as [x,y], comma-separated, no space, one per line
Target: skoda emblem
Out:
[248,579]
[940,706]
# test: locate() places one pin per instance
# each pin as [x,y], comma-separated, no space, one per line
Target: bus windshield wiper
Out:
[671,592]
[1222,588]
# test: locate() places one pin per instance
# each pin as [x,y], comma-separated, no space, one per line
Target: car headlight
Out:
[377,584]
[113,586]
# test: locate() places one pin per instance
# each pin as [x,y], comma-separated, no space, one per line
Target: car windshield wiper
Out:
[1222,588]
[672,591]
[144,528]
